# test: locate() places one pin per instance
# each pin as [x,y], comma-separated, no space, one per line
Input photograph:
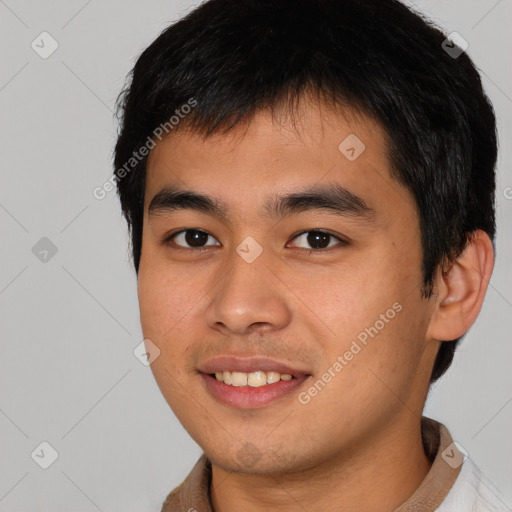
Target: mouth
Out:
[249,383]
[254,379]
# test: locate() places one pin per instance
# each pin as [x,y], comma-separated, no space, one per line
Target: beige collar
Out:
[193,493]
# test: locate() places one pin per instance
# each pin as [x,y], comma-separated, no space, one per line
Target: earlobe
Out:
[461,289]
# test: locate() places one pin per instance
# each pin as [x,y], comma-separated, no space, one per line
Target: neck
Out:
[380,476]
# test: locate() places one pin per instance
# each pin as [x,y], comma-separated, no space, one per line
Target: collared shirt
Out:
[453,483]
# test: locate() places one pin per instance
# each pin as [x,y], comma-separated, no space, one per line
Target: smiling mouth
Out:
[254,379]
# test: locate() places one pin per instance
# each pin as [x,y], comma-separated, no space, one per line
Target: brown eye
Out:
[317,239]
[192,239]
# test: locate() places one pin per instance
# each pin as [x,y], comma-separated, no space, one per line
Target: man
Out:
[310,191]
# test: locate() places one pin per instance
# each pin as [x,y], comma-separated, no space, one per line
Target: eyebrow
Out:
[330,197]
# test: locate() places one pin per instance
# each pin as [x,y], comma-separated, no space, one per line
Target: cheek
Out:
[171,302]
[168,301]
[349,300]
[166,297]
[375,318]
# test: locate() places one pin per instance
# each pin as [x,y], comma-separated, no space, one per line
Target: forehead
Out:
[279,155]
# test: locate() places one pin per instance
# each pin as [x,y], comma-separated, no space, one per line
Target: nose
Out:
[249,298]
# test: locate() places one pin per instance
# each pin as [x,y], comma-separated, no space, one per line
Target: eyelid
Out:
[168,238]
[343,241]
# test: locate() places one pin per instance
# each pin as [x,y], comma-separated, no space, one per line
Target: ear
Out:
[461,289]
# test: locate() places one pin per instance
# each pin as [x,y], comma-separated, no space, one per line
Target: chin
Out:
[247,458]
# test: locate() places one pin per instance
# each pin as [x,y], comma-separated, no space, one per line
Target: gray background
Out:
[70,323]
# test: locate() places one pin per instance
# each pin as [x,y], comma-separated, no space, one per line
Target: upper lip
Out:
[249,365]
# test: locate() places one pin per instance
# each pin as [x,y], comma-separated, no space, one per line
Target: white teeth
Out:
[257,379]
[253,379]
[238,379]
[273,377]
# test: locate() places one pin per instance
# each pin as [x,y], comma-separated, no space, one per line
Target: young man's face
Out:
[343,311]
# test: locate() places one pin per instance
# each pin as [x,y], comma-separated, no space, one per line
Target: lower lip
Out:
[247,397]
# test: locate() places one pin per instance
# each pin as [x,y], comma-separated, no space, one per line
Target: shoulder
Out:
[473,492]
[173,500]
[193,493]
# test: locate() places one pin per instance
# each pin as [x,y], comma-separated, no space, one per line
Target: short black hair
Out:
[235,58]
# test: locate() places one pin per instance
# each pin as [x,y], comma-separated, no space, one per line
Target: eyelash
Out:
[168,238]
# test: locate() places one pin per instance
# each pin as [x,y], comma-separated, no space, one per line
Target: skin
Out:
[357,443]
